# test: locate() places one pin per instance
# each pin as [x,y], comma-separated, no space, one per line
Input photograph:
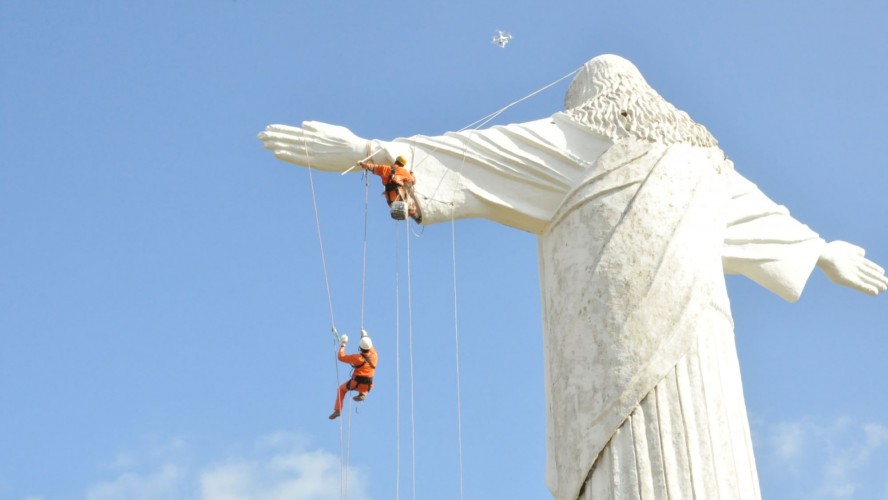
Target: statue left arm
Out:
[766,244]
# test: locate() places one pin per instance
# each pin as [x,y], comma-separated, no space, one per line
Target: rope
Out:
[397,375]
[456,329]
[364,267]
[456,342]
[348,448]
[483,121]
[314,204]
[486,119]
[410,337]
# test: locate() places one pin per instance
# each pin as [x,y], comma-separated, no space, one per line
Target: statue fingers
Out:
[872,267]
[877,280]
[282,137]
[318,145]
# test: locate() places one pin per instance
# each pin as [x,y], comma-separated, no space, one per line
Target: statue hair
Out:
[611,98]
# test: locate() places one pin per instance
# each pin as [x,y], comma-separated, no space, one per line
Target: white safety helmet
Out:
[366,344]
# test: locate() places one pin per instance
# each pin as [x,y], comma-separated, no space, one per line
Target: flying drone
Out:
[501,38]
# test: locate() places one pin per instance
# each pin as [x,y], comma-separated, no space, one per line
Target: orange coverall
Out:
[364,368]
[402,178]
[397,186]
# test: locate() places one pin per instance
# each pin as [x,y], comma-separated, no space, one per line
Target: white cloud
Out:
[788,440]
[298,475]
[278,467]
[841,454]
[162,483]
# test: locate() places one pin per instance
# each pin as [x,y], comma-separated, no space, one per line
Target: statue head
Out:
[609,96]
[602,75]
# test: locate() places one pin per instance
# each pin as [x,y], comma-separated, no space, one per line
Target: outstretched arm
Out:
[765,243]
[846,265]
[513,174]
[317,145]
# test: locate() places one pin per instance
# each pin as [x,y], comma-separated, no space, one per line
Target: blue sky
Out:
[164,324]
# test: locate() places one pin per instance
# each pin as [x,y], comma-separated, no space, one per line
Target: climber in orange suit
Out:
[363,368]
[398,182]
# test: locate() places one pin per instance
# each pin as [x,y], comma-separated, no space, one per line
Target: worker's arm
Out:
[380,170]
[348,358]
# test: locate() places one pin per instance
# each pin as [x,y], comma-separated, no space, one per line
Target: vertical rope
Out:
[364,266]
[397,372]
[410,336]
[314,204]
[348,446]
[456,342]
[363,296]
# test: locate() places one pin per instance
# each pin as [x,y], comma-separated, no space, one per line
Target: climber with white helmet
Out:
[398,182]
[363,368]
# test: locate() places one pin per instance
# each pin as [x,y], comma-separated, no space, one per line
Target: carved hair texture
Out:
[610,97]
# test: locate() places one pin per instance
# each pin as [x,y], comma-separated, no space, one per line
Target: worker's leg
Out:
[362,389]
[341,395]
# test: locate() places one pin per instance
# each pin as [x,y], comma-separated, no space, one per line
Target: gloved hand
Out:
[343,340]
[363,333]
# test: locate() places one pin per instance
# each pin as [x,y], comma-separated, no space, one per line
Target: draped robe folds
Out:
[634,238]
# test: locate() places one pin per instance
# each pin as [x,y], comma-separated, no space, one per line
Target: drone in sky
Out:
[501,38]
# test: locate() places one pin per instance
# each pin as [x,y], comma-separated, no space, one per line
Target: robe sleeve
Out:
[514,174]
[765,243]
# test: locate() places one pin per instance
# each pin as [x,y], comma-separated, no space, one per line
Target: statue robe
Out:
[643,390]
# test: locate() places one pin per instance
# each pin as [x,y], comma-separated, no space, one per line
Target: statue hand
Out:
[845,264]
[316,145]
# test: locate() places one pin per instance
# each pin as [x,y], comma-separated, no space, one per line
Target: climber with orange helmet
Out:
[398,182]
[363,368]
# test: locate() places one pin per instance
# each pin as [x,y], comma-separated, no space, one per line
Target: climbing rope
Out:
[397,375]
[344,440]
[410,344]
[456,342]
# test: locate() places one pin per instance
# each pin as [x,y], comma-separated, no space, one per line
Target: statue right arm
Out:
[765,243]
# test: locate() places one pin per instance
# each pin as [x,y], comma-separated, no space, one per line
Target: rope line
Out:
[397,372]
[483,121]
[456,342]
[343,478]
[486,119]
[364,266]
[410,337]
[314,203]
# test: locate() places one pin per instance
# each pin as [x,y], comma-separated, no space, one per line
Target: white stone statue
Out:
[638,215]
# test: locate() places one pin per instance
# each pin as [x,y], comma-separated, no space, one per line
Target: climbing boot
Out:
[334,415]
